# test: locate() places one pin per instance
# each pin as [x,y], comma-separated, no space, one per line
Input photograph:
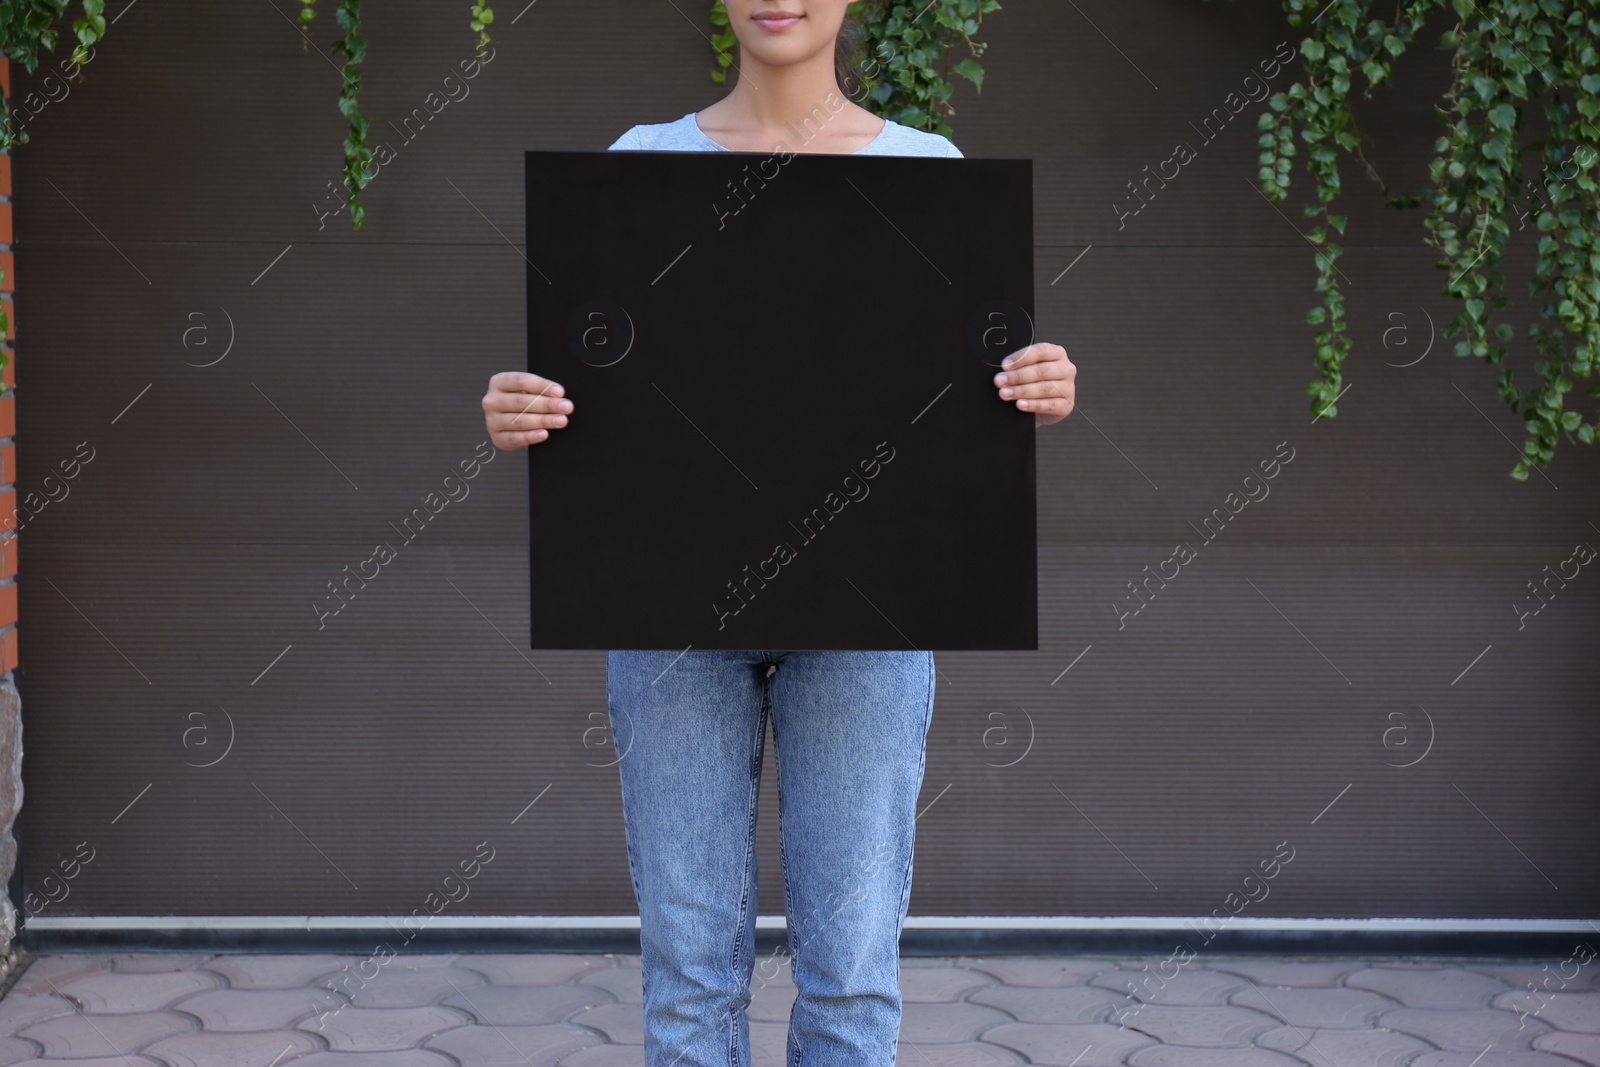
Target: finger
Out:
[1034,353]
[1035,390]
[507,441]
[1048,370]
[1052,407]
[522,403]
[518,422]
[516,381]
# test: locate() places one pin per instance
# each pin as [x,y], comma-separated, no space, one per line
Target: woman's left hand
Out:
[1041,379]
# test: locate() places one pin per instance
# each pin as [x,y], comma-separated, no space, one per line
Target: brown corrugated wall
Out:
[221,752]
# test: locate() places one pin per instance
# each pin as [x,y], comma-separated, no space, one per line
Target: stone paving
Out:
[542,1010]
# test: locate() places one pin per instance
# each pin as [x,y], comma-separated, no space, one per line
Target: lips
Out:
[777,20]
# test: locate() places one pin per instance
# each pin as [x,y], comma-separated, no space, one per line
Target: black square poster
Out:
[785,432]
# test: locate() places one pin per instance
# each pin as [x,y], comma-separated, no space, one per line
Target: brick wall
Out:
[10,704]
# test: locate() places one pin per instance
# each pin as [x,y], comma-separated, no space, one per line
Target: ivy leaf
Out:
[971,70]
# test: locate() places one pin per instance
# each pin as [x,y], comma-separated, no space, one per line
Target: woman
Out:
[849,728]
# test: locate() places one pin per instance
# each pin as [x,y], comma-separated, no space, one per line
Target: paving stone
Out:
[779,964]
[624,983]
[1174,1056]
[277,971]
[82,1036]
[512,1046]
[233,1050]
[1428,987]
[18,1010]
[46,972]
[1340,1009]
[1206,1027]
[946,1023]
[419,960]
[355,1029]
[963,1055]
[1464,1030]
[534,968]
[769,1043]
[1369,1048]
[1323,974]
[403,988]
[772,1004]
[15,1050]
[136,991]
[522,1005]
[411,1057]
[623,1024]
[156,962]
[1521,1003]
[607,1056]
[939,984]
[1546,975]
[1036,970]
[1063,1046]
[580,1010]
[1491,1058]
[257,1009]
[1585,1048]
[1564,1011]
[1032,1004]
[1171,984]
[770,979]
[110,1061]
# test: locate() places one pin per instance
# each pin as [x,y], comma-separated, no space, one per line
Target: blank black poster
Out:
[786,433]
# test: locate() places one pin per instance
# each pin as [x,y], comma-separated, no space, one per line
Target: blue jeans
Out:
[849,730]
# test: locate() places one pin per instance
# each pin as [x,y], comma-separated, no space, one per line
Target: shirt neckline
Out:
[694,124]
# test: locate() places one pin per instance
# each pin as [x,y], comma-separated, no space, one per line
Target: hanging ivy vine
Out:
[353,47]
[26,27]
[1508,58]
[909,55]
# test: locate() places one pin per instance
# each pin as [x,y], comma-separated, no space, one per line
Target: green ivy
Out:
[722,42]
[482,15]
[357,157]
[911,55]
[910,51]
[28,26]
[1508,56]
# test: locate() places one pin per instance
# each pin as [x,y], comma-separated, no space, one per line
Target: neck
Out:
[786,102]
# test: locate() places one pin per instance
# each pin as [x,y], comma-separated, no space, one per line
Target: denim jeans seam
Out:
[744,900]
[791,931]
[922,767]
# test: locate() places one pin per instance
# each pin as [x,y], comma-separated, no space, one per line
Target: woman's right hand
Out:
[520,409]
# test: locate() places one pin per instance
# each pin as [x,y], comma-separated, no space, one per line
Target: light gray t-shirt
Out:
[685,135]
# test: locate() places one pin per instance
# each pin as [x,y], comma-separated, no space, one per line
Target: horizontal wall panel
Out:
[226,396]
[1368,707]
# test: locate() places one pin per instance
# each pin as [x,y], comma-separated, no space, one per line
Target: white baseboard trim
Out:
[777,922]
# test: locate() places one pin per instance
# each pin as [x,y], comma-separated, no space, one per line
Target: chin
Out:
[779,52]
